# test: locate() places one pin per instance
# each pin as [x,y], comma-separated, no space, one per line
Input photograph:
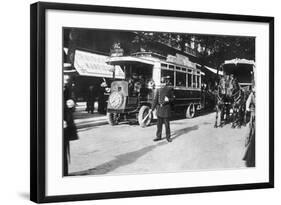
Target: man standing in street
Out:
[70,130]
[163,99]
[101,97]
[91,98]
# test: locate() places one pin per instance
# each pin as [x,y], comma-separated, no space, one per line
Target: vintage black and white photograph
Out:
[134,102]
[138,102]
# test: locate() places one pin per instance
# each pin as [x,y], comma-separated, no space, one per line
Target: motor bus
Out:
[133,96]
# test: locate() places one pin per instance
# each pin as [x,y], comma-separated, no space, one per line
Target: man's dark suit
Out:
[70,130]
[163,110]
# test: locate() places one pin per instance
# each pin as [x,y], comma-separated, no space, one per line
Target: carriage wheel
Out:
[112,118]
[144,117]
[190,111]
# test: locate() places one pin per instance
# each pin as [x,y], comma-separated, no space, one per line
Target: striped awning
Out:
[92,64]
[213,70]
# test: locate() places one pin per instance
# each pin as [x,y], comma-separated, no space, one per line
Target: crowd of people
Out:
[139,85]
[94,94]
[97,93]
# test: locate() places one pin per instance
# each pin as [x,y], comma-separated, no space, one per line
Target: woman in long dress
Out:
[250,154]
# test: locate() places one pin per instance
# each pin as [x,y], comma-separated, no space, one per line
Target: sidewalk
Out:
[85,120]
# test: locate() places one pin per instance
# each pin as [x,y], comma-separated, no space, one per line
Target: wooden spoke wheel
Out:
[144,116]
[112,118]
[190,111]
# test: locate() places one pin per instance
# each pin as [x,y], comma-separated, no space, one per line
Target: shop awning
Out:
[213,70]
[209,71]
[92,64]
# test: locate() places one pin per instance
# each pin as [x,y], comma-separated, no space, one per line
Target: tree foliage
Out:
[217,49]
[211,50]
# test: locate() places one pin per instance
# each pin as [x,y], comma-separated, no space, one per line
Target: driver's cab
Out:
[139,77]
[142,75]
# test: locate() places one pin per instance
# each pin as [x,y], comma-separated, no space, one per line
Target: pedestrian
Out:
[101,97]
[250,153]
[163,100]
[70,131]
[91,98]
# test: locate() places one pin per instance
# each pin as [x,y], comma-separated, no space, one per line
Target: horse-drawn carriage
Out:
[233,90]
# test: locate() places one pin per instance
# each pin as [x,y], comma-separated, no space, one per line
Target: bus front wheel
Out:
[112,118]
[144,116]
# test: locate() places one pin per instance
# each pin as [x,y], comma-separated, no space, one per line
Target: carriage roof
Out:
[242,69]
[239,61]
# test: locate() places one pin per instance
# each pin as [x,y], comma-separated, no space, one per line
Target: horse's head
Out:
[235,85]
[228,86]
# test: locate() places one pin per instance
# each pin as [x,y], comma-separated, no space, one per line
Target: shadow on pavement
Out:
[119,161]
[182,131]
[130,157]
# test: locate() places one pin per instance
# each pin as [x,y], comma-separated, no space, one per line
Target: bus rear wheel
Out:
[144,117]
[190,111]
[112,118]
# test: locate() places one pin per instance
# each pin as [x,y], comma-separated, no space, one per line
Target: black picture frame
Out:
[38,101]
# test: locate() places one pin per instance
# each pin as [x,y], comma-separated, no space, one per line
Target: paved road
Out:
[125,148]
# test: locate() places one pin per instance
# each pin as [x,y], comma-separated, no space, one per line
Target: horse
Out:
[238,105]
[230,96]
[223,101]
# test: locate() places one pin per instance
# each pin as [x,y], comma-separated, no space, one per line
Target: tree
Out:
[212,50]
[217,49]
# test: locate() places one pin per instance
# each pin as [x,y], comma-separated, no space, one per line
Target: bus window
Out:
[163,65]
[194,81]
[171,67]
[170,73]
[189,80]
[180,79]
[198,81]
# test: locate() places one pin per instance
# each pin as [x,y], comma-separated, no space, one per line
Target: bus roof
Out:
[149,60]
[130,59]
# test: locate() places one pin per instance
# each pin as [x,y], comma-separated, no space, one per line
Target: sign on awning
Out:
[92,64]
[181,60]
